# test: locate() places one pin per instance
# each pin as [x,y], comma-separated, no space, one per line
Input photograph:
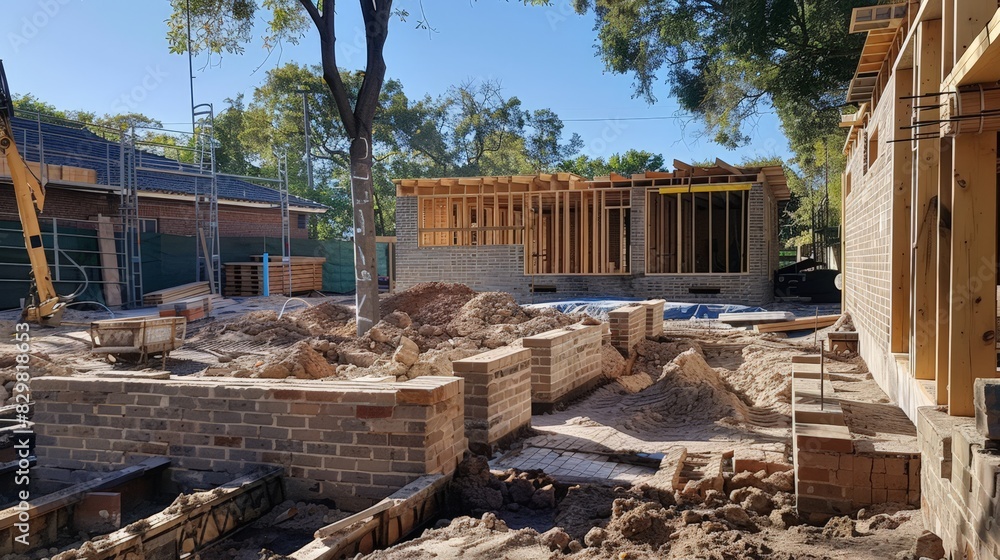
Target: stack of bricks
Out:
[654,317]
[565,363]
[959,478]
[832,477]
[628,327]
[352,442]
[497,396]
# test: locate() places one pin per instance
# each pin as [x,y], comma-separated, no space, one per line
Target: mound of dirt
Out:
[434,303]
[764,378]
[302,362]
[690,389]
[327,318]
[260,326]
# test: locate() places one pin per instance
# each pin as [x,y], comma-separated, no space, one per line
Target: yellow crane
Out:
[43,305]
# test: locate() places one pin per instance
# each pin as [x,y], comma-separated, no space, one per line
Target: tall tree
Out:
[227,25]
[626,164]
[726,62]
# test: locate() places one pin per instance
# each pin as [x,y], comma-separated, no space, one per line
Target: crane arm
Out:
[44,305]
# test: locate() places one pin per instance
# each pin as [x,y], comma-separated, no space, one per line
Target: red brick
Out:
[374,411]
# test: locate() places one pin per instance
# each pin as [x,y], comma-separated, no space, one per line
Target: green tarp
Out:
[167,260]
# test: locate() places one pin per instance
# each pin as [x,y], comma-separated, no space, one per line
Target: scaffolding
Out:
[105,251]
[129,215]
[206,199]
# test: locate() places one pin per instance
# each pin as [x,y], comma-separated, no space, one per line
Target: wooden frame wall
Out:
[578,232]
[675,229]
[472,219]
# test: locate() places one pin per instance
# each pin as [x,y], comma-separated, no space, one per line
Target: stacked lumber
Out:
[194,308]
[177,293]
[805,323]
[301,275]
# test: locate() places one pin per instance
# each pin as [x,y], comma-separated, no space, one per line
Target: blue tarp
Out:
[672,311]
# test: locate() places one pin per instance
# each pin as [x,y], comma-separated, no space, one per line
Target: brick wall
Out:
[654,317]
[628,326]
[959,483]
[833,476]
[64,203]
[353,442]
[497,396]
[501,267]
[174,217]
[564,362]
[868,226]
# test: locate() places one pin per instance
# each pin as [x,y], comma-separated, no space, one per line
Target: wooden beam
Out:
[109,262]
[943,270]
[924,345]
[902,184]
[973,269]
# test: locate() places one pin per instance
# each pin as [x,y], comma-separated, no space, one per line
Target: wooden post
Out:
[973,268]
[971,18]
[947,37]
[943,270]
[902,185]
[109,262]
[208,260]
[924,347]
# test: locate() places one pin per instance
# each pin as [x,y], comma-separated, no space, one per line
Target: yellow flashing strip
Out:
[724,187]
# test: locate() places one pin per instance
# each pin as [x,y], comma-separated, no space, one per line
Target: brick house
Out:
[704,234]
[82,218]
[83,171]
[920,242]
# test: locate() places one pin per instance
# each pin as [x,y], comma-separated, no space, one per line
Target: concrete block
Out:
[987,403]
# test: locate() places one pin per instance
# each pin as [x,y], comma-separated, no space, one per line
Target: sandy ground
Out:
[703,386]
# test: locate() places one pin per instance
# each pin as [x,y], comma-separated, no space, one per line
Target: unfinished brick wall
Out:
[354,442]
[564,363]
[832,476]
[501,267]
[654,316]
[628,326]
[870,222]
[959,482]
[497,396]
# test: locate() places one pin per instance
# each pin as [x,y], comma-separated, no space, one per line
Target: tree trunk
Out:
[365,269]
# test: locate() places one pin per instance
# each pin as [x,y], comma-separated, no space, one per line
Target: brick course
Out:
[497,396]
[564,362]
[354,442]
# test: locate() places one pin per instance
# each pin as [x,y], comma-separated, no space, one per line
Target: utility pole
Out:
[194,128]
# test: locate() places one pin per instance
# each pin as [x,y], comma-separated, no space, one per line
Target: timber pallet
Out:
[177,293]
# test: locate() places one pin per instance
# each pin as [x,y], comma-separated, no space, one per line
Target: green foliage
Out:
[726,62]
[626,164]
[472,130]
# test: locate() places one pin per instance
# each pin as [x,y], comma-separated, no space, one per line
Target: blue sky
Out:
[111,56]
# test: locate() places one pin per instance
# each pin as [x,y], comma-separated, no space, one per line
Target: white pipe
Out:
[290,299]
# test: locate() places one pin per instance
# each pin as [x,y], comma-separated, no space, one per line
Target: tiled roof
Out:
[79,147]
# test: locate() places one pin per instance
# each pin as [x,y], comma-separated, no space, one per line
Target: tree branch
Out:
[331,74]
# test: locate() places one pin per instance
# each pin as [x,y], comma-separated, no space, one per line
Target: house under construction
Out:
[693,234]
[920,243]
